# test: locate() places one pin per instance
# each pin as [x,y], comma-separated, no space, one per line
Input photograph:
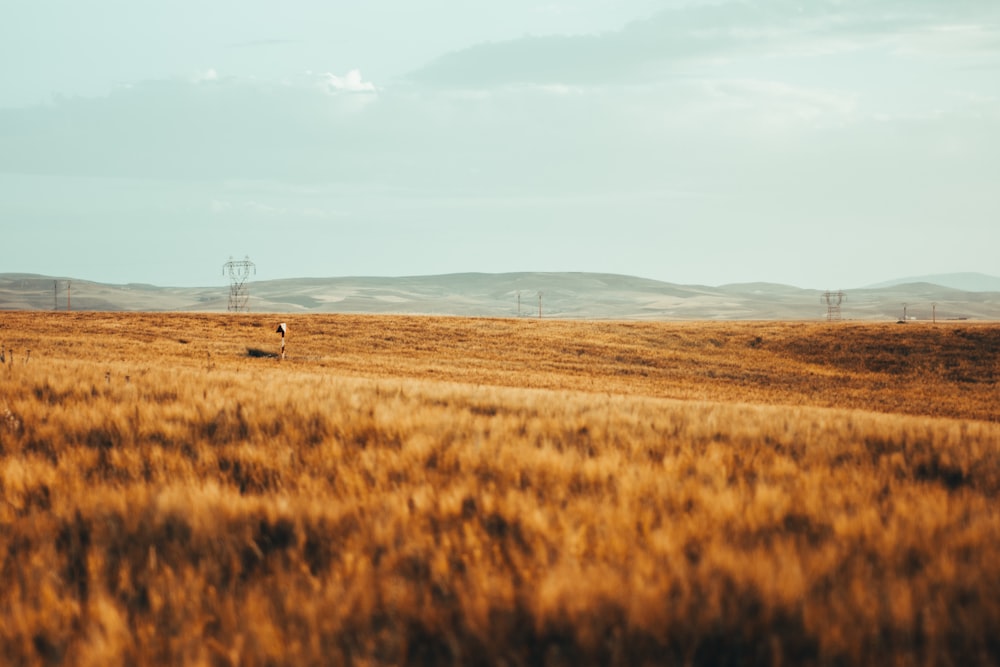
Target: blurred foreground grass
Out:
[406,490]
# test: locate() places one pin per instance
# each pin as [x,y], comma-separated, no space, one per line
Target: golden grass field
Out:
[418,490]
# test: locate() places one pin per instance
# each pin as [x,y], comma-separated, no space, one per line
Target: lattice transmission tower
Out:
[833,301]
[239,270]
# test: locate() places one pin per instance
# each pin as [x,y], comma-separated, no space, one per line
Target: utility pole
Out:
[69,289]
[539,305]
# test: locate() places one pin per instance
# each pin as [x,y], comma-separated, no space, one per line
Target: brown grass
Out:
[406,490]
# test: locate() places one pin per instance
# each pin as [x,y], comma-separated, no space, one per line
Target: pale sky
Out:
[823,144]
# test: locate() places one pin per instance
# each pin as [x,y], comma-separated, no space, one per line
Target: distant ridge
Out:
[965,282]
[563,295]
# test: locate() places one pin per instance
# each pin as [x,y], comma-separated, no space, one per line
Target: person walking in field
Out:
[282,329]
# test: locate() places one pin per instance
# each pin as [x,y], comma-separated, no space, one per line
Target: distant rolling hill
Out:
[966,282]
[564,295]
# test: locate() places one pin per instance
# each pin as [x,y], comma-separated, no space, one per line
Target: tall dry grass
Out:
[427,491]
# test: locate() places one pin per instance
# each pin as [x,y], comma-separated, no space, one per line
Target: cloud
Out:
[237,129]
[208,75]
[774,104]
[721,32]
[349,83]
[289,209]
[256,43]
[949,40]
[700,130]
[264,209]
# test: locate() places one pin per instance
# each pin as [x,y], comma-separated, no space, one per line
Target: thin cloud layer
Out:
[653,48]
[206,76]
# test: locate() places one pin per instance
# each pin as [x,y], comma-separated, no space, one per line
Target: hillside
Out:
[440,490]
[966,282]
[563,295]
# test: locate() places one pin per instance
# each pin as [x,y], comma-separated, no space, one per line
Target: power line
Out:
[239,292]
[833,301]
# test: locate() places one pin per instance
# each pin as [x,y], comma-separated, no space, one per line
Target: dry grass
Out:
[407,490]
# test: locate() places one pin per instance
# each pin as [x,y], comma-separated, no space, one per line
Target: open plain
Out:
[445,490]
